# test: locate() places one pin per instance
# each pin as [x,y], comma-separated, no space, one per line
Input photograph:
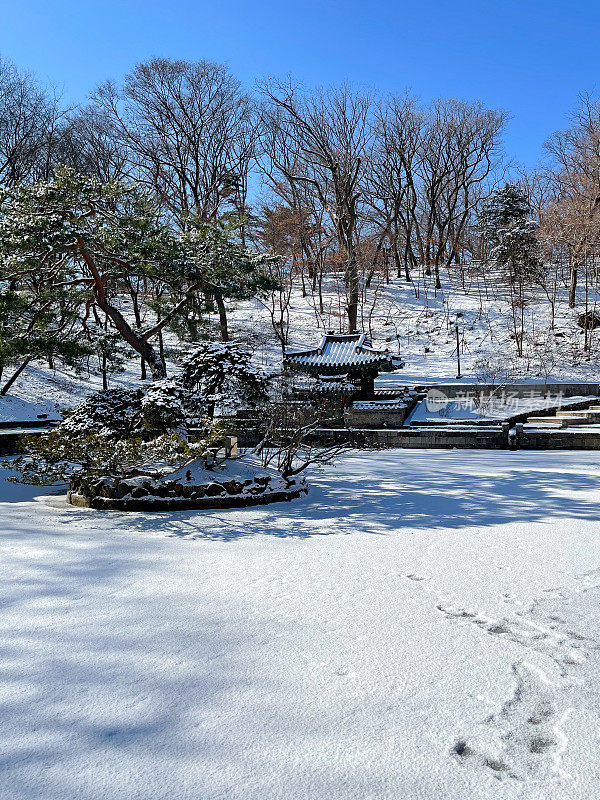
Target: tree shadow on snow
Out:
[392,491]
[96,674]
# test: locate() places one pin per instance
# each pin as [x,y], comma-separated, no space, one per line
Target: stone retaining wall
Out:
[184,503]
[498,438]
[568,439]
[492,438]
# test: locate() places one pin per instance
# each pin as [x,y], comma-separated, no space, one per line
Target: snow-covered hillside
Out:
[412,319]
[424,626]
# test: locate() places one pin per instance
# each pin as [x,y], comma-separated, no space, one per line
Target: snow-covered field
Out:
[423,626]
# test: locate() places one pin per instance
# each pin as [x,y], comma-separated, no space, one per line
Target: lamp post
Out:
[458,375]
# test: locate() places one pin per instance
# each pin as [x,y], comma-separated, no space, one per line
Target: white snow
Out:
[437,407]
[17,409]
[423,626]
[238,469]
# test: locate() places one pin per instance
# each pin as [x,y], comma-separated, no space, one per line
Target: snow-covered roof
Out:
[337,353]
[396,404]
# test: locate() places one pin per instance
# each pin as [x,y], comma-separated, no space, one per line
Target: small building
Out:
[347,356]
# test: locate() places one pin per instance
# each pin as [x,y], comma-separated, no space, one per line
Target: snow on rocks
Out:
[233,484]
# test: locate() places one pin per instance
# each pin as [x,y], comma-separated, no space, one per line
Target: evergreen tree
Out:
[510,239]
[231,272]
[76,234]
[221,374]
[510,234]
[37,321]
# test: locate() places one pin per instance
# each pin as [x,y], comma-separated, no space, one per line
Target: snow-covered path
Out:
[424,626]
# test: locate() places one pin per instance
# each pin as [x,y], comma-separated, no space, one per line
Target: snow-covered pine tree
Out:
[222,376]
[76,234]
[510,241]
[146,412]
[37,322]
[230,271]
[510,233]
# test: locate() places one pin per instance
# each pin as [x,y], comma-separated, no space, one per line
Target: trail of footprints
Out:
[525,739]
[565,647]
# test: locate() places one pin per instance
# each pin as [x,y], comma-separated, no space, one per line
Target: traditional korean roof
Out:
[343,353]
[379,405]
[334,384]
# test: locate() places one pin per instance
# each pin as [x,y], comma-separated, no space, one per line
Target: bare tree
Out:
[29,121]
[329,136]
[89,143]
[189,129]
[393,178]
[460,150]
[190,133]
[576,209]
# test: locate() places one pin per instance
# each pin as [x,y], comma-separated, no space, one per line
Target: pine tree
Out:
[75,234]
[223,376]
[231,272]
[37,321]
[510,239]
[510,233]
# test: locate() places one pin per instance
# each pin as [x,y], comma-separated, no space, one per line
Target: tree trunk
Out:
[438,283]
[14,376]
[222,316]
[136,340]
[138,322]
[352,306]
[573,286]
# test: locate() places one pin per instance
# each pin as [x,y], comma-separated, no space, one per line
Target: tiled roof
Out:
[341,353]
[379,405]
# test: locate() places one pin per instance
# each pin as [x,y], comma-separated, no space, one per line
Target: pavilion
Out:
[350,356]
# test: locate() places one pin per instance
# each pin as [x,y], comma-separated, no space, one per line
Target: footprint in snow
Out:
[525,740]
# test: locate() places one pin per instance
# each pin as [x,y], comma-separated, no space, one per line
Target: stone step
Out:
[559,422]
[584,414]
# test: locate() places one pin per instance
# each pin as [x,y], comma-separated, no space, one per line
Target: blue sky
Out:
[531,58]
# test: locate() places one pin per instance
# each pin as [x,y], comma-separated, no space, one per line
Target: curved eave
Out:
[375,366]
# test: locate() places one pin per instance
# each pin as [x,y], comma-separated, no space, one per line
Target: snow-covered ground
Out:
[423,626]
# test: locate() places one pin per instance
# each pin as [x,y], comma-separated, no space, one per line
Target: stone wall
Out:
[145,492]
[497,438]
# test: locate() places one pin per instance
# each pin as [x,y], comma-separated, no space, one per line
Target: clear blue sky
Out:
[531,58]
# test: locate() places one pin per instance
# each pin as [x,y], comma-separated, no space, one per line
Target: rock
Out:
[233,487]
[589,320]
[139,492]
[120,490]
